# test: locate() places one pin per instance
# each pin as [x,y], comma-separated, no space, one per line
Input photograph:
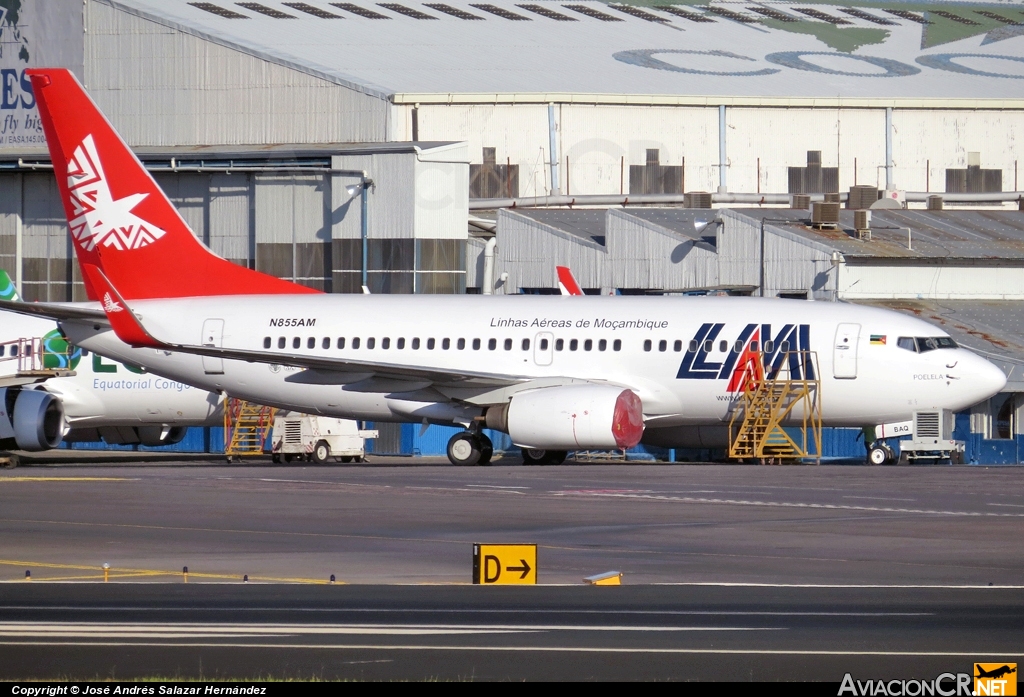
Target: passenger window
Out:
[341,342]
[385,343]
[662,345]
[492,344]
[446,344]
[416,344]
[311,342]
[266,344]
[476,344]
[326,343]
[617,345]
[574,344]
[588,345]
[543,344]
[85,353]
[768,346]
[508,344]
[753,346]
[709,346]
[280,342]
[602,345]
[784,347]
[401,343]
[723,346]
[371,342]
[526,344]
[647,345]
[693,346]
[677,346]
[430,344]
[460,344]
[296,342]
[355,342]
[559,343]
[14,350]
[737,347]
[2,350]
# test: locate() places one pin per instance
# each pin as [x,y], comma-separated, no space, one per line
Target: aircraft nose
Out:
[986,378]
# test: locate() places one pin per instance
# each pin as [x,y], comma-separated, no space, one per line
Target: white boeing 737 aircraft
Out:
[556,373]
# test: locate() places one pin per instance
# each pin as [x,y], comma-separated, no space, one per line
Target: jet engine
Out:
[161,435]
[576,417]
[31,419]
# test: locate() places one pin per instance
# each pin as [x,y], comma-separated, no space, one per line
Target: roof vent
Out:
[501,12]
[862,225]
[773,14]
[449,10]
[637,12]
[825,214]
[729,14]
[591,12]
[403,10]
[692,16]
[903,14]
[867,16]
[956,18]
[218,10]
[861,196]
[550,14]
[998,17]
[801,202]
[264,10]
[697,199]
[310,10]
[935,203]
[357,10]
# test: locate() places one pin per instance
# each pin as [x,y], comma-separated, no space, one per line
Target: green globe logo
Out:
[58,354]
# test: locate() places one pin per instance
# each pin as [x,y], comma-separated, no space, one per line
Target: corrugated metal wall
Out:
[528,250]
[932,282]
[159,86]
[644,255]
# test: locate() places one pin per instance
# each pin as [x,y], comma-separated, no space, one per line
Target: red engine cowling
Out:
[577,417]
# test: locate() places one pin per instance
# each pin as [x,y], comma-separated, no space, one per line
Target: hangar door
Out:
[844,353]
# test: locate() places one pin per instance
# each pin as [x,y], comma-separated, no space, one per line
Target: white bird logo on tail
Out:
[111,305]
[98,218]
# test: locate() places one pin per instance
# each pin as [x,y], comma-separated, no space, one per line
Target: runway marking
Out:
[539,649]
[1007,505]
[787,504]
[877,498]
[467,611]
[129,572]
[69,479]
[495,486]
[191,630]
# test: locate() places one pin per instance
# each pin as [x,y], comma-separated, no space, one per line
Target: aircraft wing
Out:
[57,311]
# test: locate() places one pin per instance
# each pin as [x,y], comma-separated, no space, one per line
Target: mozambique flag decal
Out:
[878,339]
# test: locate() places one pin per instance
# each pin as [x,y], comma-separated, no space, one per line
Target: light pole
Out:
[352,190]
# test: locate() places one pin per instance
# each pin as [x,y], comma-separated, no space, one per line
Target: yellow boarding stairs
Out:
[246,427]
[767,402]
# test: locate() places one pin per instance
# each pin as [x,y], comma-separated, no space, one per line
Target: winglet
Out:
[567,283]
[126,325]
[7,289]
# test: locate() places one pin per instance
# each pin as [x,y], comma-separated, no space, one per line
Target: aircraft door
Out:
[543,348]
[844,353]
[213,335]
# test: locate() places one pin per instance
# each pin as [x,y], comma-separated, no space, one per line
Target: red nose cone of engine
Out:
[628,420]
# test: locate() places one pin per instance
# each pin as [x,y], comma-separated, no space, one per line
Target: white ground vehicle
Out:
[318,438]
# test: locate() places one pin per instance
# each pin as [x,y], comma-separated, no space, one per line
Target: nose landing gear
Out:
[880,454]
[469,448]
[534,456]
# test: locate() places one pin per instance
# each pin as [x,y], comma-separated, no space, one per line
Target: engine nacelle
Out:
[34,419]
[576,417]
[153,436]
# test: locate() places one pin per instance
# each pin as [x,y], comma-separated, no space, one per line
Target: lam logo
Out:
[995,679]
[111,305]
[98,218]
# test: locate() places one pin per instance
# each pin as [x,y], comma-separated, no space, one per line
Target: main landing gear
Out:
[533,456]
[469,448]
[880,454]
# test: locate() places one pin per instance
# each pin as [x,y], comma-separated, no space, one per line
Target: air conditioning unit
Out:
[861,197]
[933,438]
[697,199]
[896,195]
[862,224]
[935,203]
[833,197]
[801,201]
[825,214]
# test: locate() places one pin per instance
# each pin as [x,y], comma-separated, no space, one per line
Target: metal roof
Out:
[585,224]
[995,329]
[479,49]
[681,221]
[958,237]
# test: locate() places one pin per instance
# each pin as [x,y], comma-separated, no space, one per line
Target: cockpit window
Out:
[923,344]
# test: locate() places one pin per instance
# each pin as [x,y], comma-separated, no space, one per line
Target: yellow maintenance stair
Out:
[246,427]
[792,396]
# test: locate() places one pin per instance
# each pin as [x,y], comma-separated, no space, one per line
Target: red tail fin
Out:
[120,220]
[567,282]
